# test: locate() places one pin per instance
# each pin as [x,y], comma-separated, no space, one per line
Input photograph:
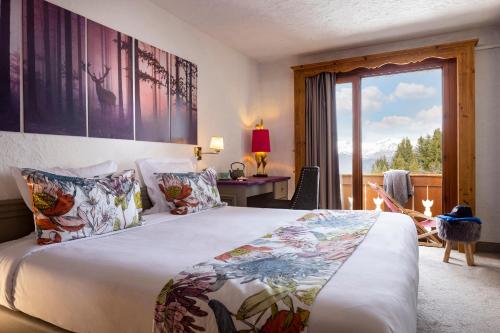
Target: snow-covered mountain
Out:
[371,152]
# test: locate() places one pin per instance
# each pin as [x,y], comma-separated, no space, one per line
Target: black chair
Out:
[306,194]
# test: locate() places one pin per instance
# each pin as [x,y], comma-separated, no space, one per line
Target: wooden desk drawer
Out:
[281,190]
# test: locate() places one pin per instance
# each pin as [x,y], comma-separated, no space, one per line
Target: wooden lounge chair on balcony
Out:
[426,226]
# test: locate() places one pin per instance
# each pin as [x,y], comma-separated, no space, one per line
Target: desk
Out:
[250,192]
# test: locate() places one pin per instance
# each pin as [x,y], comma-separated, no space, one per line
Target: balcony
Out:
[425,187]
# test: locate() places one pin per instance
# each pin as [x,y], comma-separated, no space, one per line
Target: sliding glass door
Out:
[343,95]
[401,127]
[397,117]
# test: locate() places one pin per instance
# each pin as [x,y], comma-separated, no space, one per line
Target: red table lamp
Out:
[261,145]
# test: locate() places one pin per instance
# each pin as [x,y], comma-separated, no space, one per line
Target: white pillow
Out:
[100,169]
[149,166]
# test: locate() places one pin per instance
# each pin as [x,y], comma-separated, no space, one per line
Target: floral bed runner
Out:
[268,285]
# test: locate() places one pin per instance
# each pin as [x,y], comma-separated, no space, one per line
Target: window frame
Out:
[462,53]
[448,68]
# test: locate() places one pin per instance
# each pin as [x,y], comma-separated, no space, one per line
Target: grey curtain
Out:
[321,137]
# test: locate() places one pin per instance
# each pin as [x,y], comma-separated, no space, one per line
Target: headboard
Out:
[146,203]
[16,220]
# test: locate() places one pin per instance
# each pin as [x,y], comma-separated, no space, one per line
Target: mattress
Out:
[110,283]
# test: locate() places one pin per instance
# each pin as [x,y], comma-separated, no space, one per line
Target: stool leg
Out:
[461,247]
[447,251]
[469,255]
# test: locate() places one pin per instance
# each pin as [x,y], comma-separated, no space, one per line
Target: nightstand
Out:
[253,191]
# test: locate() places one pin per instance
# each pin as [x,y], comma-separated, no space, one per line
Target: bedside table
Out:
[256,189]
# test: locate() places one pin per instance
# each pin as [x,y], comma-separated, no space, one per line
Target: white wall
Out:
[235,92]
[276,84]
[487,141]
[276,109]
[227,91]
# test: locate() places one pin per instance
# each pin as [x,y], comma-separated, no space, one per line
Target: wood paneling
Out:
[19,322]
[300,120]
[16,220]
[450,149]
[357,162]
[461,52]
[488,247]
[410,56]
[426,186]
[146,202]
[466,126]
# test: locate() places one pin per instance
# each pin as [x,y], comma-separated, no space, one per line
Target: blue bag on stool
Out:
[459,226]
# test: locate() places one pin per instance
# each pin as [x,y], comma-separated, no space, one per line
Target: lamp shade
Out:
[217,143]
[260,141]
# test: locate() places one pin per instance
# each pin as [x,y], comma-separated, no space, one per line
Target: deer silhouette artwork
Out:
[107,98]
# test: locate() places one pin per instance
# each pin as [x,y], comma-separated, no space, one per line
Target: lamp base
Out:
[261,159]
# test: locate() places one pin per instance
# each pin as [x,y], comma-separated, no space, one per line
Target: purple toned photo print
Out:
[152,83]
[183,101]
[109,69]
[54,86]
[166,96]
[10,48]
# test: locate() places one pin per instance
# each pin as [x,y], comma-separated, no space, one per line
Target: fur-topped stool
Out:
[459,231]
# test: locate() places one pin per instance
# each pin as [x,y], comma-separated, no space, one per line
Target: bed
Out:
[110,283]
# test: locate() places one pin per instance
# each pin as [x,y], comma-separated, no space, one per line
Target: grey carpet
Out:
[454,297]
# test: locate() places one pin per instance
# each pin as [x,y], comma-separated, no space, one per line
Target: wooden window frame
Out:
[448,68]
[459,97]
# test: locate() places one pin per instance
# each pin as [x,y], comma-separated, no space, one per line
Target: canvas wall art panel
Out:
[53,77]
[110,78]
[183,100]
[10,50]
[152,117]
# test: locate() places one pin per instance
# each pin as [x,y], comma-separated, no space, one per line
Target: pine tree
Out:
[436,152]
[428,152]
[423,152]
[426,157]
[380,165]
[404,157]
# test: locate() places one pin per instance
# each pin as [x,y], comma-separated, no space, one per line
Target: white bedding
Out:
[110,283]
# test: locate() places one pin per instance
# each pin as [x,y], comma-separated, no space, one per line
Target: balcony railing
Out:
[425,187]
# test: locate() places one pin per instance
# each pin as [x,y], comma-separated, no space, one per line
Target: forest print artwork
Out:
[81,78]
[53,49]
[109,70]
[183,101]
[10,49]
[166,93]
[152,84]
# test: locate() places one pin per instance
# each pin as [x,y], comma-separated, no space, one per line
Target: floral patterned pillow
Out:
[67,208]
[190,192]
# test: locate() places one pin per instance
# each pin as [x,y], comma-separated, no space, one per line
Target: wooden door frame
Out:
[461,52]
[449,122]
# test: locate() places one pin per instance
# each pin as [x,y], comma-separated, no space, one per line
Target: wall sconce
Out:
[216,143]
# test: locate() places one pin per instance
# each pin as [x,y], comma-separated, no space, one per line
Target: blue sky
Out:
[393,107]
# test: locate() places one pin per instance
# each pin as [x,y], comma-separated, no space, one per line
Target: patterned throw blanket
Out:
[268,285]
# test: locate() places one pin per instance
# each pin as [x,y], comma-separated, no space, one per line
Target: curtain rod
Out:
[487,47]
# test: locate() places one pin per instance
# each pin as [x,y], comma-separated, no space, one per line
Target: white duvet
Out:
[110,283]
